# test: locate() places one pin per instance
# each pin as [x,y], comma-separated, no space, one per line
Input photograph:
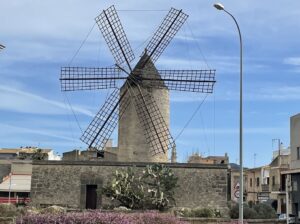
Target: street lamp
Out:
[219,6]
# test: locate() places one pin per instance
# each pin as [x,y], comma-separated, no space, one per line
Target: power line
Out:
[70,62]
[198,46]
[142,10]
[191,118]
[82,43]
[73,112]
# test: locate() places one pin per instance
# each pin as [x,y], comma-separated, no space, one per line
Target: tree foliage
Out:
[37,154]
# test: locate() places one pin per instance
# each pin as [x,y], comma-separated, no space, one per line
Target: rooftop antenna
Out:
[278,142]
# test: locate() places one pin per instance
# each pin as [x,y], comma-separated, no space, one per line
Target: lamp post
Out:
[219,6]
[9,187]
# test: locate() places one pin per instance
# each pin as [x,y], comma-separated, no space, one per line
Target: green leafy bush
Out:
[250,213]
[198,212]
[203,212]
[151,189]
[126,188]
[259,211]
[265,211]
[8,210]
[160,183]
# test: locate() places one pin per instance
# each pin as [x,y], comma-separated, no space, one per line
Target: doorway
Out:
[91,197]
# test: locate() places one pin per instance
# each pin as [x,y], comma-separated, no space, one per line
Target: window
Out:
[250,182]
[257,182]
[273,180]
[283,180]
[295,185]
[268,180]
[298,152]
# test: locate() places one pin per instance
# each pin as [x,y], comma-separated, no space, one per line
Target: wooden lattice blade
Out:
[105,121]
[165,33]
[112,30]
[183,80]
[156,131]
[83,78]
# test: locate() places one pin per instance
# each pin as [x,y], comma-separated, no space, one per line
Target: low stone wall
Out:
[229,221]
[64,183]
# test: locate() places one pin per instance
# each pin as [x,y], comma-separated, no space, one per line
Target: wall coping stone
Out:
[137,164]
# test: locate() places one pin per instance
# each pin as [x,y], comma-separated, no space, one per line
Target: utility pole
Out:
[219,6]
[287,199]
[9,188]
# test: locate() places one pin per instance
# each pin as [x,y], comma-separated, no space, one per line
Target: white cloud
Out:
[11,130]
[267,94]
[24,102]
[190,132]
[292,61]
[275,93]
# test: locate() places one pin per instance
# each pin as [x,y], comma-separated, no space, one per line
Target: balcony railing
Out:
[265,188]
[14,200]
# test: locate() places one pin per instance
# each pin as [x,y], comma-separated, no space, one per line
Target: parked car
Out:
[292,218]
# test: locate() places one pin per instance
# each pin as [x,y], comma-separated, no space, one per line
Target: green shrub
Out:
[203,212]
[126,188]
[198,212]
[234,211]
[8,210]
[153,189]
[184,212]
[259,211]
[264,211]
[160,183]
[249,213]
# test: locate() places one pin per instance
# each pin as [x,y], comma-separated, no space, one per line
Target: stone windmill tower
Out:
[141,105]
[133,145]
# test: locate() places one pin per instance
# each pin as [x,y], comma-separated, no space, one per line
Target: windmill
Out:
[141,105]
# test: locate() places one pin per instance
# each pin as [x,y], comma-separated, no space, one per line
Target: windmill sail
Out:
[165,33]
[105,121]
[114,35]
[155,128]
[201,81]
[82,78]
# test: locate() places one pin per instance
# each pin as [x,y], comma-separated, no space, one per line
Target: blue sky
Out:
[42,36]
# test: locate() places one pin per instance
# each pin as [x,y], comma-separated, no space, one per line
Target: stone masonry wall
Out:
[64,182]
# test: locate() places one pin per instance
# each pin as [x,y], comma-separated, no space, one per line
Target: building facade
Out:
[26,153]
[15,185]
[293,175]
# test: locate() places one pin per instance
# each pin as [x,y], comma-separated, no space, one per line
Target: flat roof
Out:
[9,150]
[16,183]
[24,150]
[291,171]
